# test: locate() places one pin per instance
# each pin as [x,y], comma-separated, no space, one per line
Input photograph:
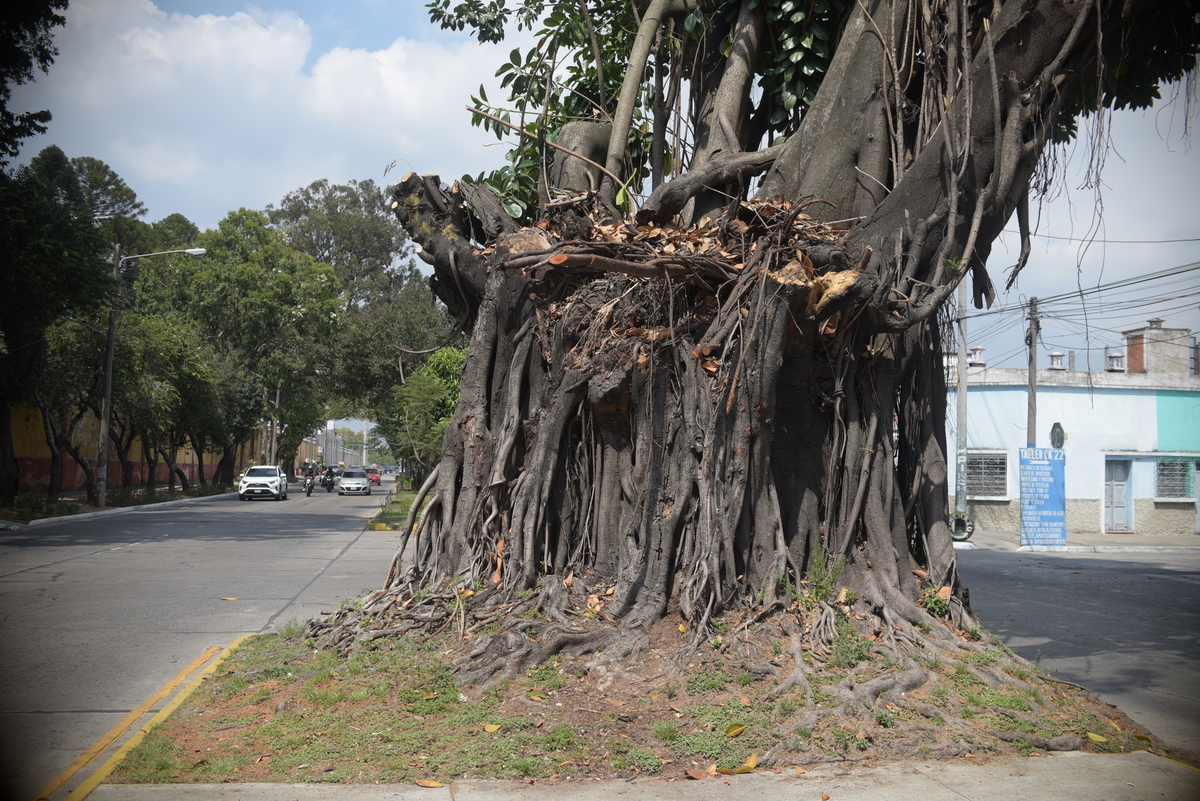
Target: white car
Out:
[354,482]
[263,481]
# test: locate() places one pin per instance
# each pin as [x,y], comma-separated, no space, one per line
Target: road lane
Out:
[1126,626]
[96,615]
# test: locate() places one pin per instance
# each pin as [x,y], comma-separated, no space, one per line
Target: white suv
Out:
[264,480]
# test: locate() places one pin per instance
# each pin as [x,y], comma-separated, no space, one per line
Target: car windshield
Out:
[354,474]
[261,472]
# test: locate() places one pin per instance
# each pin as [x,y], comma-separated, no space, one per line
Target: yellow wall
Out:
[33,455]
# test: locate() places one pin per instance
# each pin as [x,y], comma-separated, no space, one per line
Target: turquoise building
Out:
[1132,436]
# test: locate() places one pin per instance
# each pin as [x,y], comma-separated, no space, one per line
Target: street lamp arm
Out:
[189,251]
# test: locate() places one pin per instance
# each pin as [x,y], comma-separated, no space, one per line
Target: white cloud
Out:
[204,113]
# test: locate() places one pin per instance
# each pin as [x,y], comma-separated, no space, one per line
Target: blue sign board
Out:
[1043,500]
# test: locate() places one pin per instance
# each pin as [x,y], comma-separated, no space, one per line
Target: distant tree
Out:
[106,193]
[49,250]
[174,232]
[389,323]
[414,422]
[26,46]
[349,227]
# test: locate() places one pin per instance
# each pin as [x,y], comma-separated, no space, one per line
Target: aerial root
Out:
[799,674]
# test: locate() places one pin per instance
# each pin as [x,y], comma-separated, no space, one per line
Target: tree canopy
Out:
[26,46]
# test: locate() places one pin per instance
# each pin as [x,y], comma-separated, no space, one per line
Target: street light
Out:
[106,406]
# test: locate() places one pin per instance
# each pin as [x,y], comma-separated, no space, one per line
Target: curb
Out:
[45,521]
[1107,549]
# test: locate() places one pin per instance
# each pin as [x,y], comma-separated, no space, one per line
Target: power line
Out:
[1082,293]
[1109,241]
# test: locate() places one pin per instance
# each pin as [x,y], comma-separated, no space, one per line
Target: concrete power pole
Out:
[1031,417]
[106,400]
[960,472]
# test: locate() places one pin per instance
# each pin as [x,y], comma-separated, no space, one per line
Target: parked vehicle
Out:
[374,476]
[354,482]
[263,481]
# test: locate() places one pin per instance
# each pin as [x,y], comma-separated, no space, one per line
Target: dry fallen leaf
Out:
[824,796]
[752,761]
[230,599]
[695,774]
[1096,738]
[491,727]
[428,783]
[734,730]
[800,770]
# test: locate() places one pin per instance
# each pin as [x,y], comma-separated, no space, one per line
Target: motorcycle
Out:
[327,482]
[308,485]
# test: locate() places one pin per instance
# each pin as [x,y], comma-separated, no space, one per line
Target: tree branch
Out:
[669,199]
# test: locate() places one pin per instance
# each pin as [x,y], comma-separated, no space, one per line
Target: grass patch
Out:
[395,512]
[849,647]
[277,711]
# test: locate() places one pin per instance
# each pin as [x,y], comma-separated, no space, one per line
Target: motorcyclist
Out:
[327,478]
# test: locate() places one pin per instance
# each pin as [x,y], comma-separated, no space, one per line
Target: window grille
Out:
[987,475]
[1174,478]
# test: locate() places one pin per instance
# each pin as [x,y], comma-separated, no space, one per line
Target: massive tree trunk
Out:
[744,417]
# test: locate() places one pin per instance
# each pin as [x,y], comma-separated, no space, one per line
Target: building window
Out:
[987,475]
[1174,478]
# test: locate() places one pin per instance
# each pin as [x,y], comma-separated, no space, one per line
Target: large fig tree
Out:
[705,370]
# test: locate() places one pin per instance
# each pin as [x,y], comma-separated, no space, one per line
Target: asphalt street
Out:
[1126,626]
[96,615]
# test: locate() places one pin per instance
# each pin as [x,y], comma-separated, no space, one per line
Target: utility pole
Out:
[274,428]
[106,402]
[960,471]
[1032,340]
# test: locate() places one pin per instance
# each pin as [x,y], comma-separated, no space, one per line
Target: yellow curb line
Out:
[1180,764]
[82,791]
[133,717]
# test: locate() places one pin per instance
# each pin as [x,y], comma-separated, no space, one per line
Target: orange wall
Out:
[33,456]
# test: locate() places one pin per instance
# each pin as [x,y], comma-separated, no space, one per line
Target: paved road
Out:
[96,615]
[1126,626]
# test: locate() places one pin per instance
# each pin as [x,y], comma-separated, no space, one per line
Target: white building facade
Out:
[1132,437]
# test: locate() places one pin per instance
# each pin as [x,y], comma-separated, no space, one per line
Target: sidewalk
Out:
[1086,543]
[1060,776]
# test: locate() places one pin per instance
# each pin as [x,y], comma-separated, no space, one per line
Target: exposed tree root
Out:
[847,682]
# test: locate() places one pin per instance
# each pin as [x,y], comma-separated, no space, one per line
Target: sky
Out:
[206,107]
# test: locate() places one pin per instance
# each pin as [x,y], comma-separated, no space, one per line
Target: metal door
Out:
[1196,493]
[1116,495]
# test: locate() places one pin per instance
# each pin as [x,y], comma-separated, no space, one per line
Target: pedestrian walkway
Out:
[1087,543]
[1042,778]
